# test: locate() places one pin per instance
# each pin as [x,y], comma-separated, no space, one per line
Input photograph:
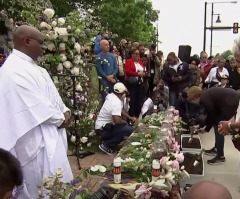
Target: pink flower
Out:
[175,147]
[176,118]
[169,140]
[180,157]
[175,112]
[175,165]
[164,160]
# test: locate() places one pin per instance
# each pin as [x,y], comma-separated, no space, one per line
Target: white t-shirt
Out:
[212,74]
[112,106]
[146,106]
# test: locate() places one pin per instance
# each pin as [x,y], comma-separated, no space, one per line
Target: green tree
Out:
[127,18]
[226,54]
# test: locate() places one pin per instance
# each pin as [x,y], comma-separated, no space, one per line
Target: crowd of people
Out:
[135,81]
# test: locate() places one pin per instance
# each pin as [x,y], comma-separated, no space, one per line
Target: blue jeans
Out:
[173,97]
[219,142]
[117,135]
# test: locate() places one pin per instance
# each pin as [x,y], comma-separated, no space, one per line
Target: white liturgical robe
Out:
[31,110]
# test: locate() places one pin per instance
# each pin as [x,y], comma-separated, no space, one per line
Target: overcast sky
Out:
[181,22]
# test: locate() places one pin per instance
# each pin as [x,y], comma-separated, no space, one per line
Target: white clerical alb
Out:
[31,112]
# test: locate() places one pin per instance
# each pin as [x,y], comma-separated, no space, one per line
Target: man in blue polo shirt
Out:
[107,68]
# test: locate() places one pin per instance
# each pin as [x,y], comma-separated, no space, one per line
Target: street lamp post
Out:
[205,22]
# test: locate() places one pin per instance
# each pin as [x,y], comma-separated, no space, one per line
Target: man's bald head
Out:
[28,40]
[104,45]
[207,190]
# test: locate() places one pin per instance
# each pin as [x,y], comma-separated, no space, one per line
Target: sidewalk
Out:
[98,158]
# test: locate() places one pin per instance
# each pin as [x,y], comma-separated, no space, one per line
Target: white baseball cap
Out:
[120,88]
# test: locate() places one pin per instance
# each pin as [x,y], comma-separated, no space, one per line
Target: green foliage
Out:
[25,10]
[128,18]
[225,54]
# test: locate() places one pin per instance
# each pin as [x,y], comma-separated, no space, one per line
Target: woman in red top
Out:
[135,74]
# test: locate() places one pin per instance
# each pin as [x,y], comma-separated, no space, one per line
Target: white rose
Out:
[51,47]
[61,21]
[80,113]
[75,71]
[89,144]
[77,59]
[43,24]
[62,31]
[92,133]
[69,27]
[49,27]
[54,23]
[62,46]
[67,64]
[63,57]
[49,13]
[60,67]
[94,168]
[77,47]
[79,87]
[81,62]
[84,139]
[53,35]
[73,138]
[55,80]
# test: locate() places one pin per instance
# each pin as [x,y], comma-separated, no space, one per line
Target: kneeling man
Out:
[109,124]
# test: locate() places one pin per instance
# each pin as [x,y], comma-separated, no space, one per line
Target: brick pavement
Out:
[98,158]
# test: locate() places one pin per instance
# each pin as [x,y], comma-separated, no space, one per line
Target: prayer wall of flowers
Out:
[68,59]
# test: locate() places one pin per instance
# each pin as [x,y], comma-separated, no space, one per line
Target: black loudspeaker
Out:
[184,53]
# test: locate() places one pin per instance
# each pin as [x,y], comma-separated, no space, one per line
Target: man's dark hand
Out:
[67,120]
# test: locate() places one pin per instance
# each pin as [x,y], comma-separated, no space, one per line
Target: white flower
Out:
[102,169]
[55,80]
[63,57]
[59,171]
[43,25]
[159,184]
[53,35]
[69,27]
[77,59]
[80,113]
[77,47]
[64,38]
[46,179]
[67,64]
[148,154]
[60,67]
[94,168]
[62,46]
[49,13]
[92,133]
[75,71]
[89,144]
[62,31]
[49,27]
[81,62]
[61,21]
[84,139]
[73,138]
[79,88]
[93,39]
[51,47]
[54,23]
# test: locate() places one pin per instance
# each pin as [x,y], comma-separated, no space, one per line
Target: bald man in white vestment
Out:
[33,116]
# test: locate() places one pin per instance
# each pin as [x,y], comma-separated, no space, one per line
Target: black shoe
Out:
[106,149]
[211,152]
[217,160]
